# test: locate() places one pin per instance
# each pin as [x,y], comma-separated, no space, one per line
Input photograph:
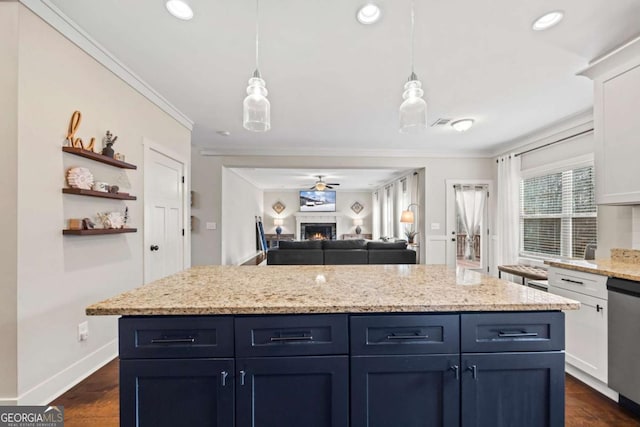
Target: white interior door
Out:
[164,213]
[465,250]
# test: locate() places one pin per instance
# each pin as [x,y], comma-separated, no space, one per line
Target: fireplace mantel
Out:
[306,217]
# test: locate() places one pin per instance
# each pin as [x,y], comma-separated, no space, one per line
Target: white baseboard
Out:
[8,402]
[591,382]
[51,388]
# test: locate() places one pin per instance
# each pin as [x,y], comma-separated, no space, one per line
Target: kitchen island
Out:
[334,346]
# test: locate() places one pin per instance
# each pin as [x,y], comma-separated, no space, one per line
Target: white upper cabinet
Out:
[616,79]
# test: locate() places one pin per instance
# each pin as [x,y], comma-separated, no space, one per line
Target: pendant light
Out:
[256,115]
[413,110]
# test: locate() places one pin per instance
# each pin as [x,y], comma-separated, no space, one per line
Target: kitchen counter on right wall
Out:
[623,264]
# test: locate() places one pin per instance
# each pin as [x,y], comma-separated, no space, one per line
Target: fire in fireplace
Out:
[318,231]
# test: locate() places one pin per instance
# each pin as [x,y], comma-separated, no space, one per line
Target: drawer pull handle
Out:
[407,337]
[302,338]
[456,370]
[522,334]
[224,375]
[188,340]
[474,371]
[577,282]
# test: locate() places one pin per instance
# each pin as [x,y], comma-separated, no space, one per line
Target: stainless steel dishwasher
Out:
[624,341]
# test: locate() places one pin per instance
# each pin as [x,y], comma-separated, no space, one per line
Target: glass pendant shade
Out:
[413,111]
[256,106]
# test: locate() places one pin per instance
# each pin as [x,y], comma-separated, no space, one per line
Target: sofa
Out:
[334,252]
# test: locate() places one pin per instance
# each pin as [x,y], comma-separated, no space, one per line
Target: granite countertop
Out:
[623,264]
[327,289]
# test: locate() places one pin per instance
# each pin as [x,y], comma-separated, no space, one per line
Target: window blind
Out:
[558,213]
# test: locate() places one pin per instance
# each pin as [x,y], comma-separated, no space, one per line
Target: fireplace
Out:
[318,231]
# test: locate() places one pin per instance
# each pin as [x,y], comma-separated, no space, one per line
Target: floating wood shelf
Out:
[91,193]
[98,157]
[97,231]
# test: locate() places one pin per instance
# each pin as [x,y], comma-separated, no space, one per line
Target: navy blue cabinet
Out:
[513,389]
[407,391]
[176,392]
[310,391]
[341,370]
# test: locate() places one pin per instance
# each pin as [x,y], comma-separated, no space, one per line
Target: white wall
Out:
[241,203]
[59,276]
[344,201]
[206,170]
[8,195]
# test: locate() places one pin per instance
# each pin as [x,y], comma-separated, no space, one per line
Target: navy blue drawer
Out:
[499,332]
[291,335]
[175,337]
[405,334]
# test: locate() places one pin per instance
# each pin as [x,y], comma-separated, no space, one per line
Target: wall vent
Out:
[441,122]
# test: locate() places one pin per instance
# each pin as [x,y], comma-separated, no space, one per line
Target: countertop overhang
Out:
[221,290]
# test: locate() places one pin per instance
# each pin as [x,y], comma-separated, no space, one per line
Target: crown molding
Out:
[69,29]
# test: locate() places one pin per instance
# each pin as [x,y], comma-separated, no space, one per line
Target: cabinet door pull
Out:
[577,282]
[407,337]
[599,308]
[520,334]
[242,375]
[456,370]
[474,371]
[188,340]
[300,338]
[223,376]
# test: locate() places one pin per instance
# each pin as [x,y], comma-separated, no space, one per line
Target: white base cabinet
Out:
[586,329]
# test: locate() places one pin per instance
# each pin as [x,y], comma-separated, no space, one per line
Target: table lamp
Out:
[357,222]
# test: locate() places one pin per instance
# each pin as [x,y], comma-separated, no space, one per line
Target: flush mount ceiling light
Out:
[413,110]
[223,132]
[180,9]
[548,20]
[462,125]
[368,14]
[256,108]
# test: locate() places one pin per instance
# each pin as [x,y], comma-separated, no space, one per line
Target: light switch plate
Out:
[212,226]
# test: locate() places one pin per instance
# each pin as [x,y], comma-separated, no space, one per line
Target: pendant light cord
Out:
[257,32]
[413,37]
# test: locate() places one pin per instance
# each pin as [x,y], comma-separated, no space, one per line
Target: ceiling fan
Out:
[320,185]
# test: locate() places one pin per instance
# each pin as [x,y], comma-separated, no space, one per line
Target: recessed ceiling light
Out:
[368,14]
[462,125]
[180,9]
[548,20]
[223,132]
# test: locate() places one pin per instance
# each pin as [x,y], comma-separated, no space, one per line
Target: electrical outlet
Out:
[83,331]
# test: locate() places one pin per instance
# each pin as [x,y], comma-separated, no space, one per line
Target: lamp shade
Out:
[278,221]
[357,221]
[256,106]
[407,217]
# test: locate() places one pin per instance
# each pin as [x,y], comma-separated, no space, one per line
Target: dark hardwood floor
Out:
[94,403]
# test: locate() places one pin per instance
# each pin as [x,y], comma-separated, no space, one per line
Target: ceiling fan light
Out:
[462,125]
[321,186]
[180,9]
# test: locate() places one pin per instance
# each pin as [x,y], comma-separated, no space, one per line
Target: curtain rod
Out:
[554,142]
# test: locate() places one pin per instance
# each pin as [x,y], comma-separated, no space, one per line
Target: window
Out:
[558,213]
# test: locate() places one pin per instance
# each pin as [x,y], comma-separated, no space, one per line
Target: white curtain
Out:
[470,202]
[375,213]
[508,210]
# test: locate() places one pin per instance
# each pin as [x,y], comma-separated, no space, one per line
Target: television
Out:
[317,201]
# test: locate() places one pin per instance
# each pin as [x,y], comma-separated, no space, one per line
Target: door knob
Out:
[154,248]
